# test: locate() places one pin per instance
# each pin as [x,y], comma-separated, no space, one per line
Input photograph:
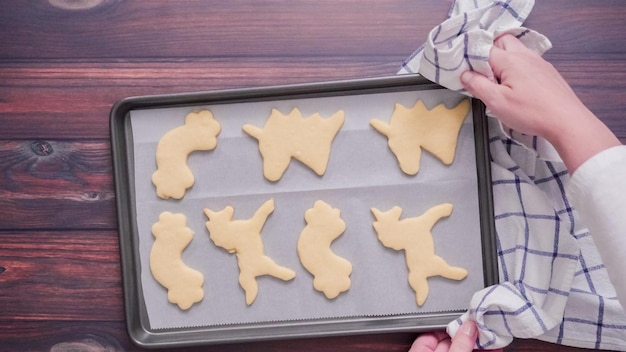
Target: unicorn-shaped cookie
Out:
[412,129]
[291,136]
[243,237]
[413,235]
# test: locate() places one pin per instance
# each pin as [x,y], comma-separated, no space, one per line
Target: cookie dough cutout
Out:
[331,273]
[243,237]
[172,236]
[412,129]
[413,235]
[307,140]
[173,177]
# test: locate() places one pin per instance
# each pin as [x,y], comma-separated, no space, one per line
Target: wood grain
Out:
[64,276]
[262,28]
[56,184]
[273,28]
[580,29]
[64,63]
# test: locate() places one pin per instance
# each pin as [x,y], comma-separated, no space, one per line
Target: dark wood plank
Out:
[49,184]
[601,85]
[581,28]
[62,336]
[63,276]
[130,29]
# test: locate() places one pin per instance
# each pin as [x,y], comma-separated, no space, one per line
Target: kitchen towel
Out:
[553,285]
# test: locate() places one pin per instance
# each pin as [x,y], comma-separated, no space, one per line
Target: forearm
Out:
[580,137]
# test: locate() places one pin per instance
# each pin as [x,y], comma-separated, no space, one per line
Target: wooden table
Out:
[63,63]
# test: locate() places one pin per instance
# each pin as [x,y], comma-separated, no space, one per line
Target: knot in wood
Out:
[41,148]
[75,4]
[89,343]
[2,269]
[93,196]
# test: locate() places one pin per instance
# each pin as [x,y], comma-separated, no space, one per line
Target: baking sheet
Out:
[362,173]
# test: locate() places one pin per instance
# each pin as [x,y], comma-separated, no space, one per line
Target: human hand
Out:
[532,97]
[439,341]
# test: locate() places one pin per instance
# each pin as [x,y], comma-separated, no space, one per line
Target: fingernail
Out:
[468,328]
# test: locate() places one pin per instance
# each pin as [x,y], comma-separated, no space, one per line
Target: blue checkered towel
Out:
[553,285]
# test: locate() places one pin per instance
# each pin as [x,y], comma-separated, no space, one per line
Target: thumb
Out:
[481,87]
[465,338]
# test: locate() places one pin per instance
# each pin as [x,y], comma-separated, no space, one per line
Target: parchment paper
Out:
[362,174]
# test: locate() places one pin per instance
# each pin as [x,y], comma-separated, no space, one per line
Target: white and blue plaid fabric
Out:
[553,285]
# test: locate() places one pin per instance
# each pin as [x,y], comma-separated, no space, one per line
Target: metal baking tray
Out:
[123,145]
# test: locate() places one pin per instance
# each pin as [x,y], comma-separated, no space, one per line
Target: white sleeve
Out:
[598,192]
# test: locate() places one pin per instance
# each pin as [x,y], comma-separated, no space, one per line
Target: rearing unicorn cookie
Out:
[243,237]
[413,235]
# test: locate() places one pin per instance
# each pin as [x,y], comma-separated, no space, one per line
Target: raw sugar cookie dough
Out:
[412,129]
[173,177]
[307,140]
[413,235]
[172,236]
[331,273]
[243,237]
